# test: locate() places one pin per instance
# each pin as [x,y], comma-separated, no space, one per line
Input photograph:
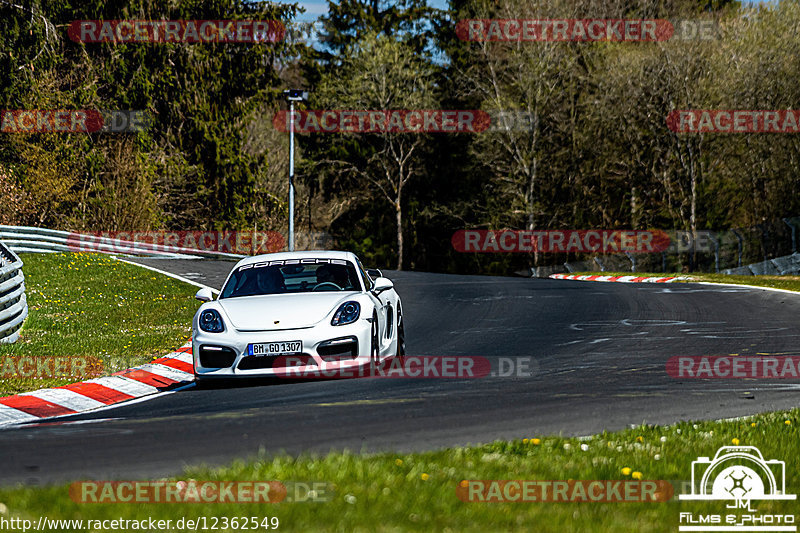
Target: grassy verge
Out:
[417,492]
[791,283]
[90,305]
[109,308]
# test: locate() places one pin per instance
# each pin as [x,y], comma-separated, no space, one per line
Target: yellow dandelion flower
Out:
[636,475]
[424,476]
[626,471]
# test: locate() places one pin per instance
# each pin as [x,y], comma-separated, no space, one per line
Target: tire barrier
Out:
[13,305]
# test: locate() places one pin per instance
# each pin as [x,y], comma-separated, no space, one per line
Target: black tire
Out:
[374,356]
[201,383]
[401,335]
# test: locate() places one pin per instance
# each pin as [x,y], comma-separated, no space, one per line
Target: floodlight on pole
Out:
[292,96]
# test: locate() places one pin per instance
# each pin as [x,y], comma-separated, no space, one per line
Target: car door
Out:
[388,317]
[381,303]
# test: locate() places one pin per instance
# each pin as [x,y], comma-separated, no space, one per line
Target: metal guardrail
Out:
[765,249]
[788,265]
[26,239]
[13,304]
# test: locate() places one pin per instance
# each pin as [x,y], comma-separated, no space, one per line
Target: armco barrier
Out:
[787,265]
[13,305]
[22,239]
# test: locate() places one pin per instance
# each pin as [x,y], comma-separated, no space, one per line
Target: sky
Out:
[316,8]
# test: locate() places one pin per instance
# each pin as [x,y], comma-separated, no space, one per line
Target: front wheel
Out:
[374,355]
[401,335]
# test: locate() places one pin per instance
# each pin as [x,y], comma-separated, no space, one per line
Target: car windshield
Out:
[298,275]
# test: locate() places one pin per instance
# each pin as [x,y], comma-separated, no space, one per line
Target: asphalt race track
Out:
[600,349]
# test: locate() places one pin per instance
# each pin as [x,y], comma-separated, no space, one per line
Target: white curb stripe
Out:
[9,414]
[66,398]
[181,356]
[140,399]
[125,385]
[620,279]
[166,372]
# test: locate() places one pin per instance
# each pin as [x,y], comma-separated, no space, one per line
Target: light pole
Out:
[292,96]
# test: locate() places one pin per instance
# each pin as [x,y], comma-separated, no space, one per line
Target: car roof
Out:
[307,254]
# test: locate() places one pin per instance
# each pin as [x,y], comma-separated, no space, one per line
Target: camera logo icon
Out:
[738,473]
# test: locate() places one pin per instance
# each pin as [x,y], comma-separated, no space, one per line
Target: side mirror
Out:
[382,284]
[204,295]
[374,273]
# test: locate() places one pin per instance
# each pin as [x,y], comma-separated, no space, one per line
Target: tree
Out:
[349,22]
[539,83]
[190,168]
[378,73]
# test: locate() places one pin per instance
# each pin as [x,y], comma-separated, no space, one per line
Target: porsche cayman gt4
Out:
[313,310]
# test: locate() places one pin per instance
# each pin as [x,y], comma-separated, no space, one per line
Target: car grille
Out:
[262,362]
[344,349]
[216,357]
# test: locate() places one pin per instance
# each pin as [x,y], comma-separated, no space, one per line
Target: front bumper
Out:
[314,350]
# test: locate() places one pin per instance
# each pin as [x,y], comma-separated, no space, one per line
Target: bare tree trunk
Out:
[531,215]
[693,208]
[398,206]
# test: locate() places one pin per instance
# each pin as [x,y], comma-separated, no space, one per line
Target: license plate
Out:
[275,348]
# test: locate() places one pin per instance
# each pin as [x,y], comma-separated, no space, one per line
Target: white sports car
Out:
[315,310]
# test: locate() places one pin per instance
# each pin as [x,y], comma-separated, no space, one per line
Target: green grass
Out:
[107,302]
[791,283]
[417,492]
[90,305]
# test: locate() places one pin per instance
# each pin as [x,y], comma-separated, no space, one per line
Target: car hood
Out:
[281,311]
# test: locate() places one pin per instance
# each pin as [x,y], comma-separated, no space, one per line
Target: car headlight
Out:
[211,321]
[347,313]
